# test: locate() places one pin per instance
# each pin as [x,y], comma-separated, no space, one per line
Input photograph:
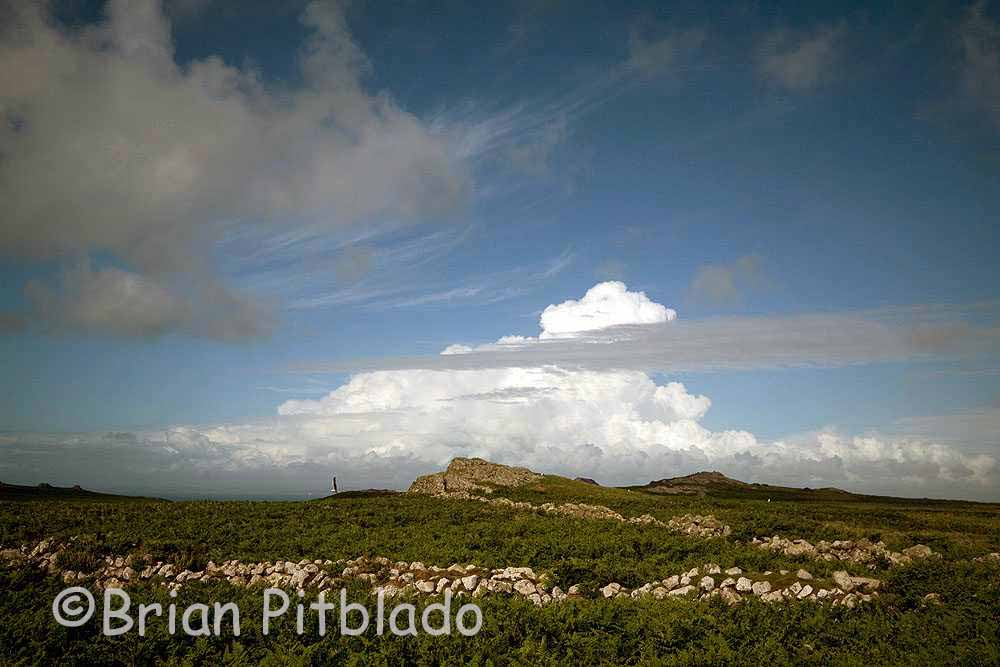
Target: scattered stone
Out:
[394,579]
[860,551]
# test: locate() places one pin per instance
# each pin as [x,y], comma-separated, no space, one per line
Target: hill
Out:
[49,492]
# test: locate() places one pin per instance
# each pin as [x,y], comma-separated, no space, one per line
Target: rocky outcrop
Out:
[400,578]
[853,551]
[472,475]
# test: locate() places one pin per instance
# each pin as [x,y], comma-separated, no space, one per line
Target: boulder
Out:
[611,590]
[729,596]
[525,587]
[843,581]
[918,551]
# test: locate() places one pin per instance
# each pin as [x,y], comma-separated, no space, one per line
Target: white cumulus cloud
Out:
[604,305]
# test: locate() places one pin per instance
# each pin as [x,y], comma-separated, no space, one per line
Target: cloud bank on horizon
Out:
[384,427]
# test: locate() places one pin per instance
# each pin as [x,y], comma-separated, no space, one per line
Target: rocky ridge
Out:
[400,578]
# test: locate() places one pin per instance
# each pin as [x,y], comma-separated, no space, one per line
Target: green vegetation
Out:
[897,629]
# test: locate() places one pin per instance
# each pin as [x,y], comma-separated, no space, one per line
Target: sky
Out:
[246,248]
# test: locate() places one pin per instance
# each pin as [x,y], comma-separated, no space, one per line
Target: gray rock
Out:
[611,590]
[803,574]
[918,551]
[843,581]
[866,583]
[729,596]
[525,587]
[761,587]
[744,585]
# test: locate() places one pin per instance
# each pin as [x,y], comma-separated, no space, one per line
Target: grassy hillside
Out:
[896,629]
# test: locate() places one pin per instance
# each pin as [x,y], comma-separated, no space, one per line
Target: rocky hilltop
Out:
[696,484]
[472,475]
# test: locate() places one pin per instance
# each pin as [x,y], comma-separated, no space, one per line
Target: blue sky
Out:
[213,207]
